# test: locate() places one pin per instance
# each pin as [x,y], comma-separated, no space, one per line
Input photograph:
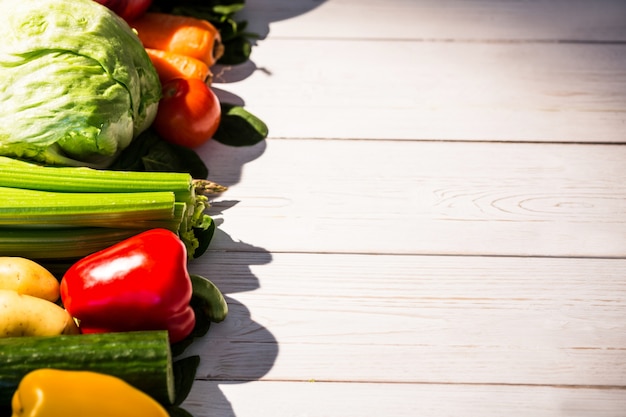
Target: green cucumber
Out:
[142,358]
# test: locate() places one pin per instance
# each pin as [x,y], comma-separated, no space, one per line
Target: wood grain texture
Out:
[422,198]
[436,225]
[440,20]
[356,400]
[417,319]
[433,91]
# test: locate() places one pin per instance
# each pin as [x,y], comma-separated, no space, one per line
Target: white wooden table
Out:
[436,225]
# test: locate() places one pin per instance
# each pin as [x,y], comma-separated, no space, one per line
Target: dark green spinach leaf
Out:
[150,153]
[175,411]
[184,376]
[239,127]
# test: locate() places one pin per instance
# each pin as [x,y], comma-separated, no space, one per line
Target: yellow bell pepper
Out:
[54,393]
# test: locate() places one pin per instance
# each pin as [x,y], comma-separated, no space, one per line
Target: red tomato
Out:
[127,9]
[189,112]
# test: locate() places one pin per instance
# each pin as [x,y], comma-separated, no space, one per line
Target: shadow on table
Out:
[238,350]
[260,14]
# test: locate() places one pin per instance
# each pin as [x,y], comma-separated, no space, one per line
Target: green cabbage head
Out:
[76,85]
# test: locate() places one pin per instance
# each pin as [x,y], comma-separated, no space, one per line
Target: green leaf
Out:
[228,9]
[228,28]
[164,156]
[179,347]
[237,50]
[130,158]
[150,153]
[203,322]
[204,236]
[239,127]
[184,376]
[175,411]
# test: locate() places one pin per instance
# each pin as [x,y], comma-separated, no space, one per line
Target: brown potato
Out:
[25,315]
[28,277]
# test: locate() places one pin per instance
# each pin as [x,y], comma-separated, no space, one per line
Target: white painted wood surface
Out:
[423,198]
[440,20]
[397,89]
[436,225]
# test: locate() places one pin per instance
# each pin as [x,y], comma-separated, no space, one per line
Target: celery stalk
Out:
[44,200]
[59,243]
[25,175]
[20,207]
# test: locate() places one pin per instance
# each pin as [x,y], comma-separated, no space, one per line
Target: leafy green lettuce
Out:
[76,85]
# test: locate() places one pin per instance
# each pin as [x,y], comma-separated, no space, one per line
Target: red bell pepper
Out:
[141,283]
[128,10]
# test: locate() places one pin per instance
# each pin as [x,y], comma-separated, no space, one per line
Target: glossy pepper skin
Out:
[141,283]
[61,393]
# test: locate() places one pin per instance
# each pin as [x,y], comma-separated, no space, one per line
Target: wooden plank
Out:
[537,20]
[323,247]
[421,198]
[416,319]
[230,399]
[433,91]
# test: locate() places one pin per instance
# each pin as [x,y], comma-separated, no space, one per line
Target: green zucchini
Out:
[142,358]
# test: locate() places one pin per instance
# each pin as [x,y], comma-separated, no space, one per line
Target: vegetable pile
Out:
[103,199]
